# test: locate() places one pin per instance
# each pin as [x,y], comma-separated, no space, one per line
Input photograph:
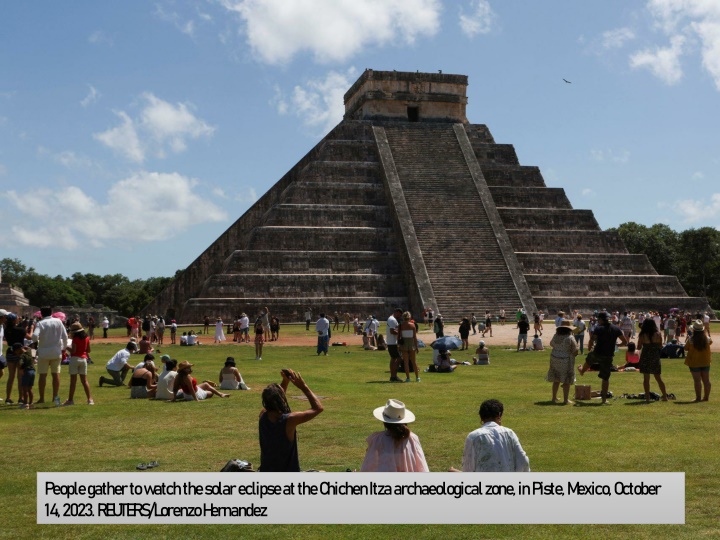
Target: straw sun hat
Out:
[394,412]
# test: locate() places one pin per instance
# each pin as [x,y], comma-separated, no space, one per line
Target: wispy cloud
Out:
[98,37]
[319,102]
[479,19]
[331,30]
[694,211]
[610,155]
[663,62]
[587,192]
[92,96]
[617,38]
[160,126]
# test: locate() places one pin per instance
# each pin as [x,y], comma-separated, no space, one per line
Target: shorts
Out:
[407,346]
[48,364]
[28,378]
[394,352]
[199,392]
[244,331]
[78,366]
[671,333]
[604,364]
[259,338]
[522,337]
[700,369]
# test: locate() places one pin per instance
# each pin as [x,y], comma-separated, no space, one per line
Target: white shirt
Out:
[119,361]
[493,448]
[51,338]
[391,339]
[374,325]
[322,326]
[244,323]
[308,315]
[191,339]
[105,323]
[165,385]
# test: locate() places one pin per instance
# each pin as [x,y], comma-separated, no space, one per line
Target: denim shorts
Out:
[28,378]
[699,369]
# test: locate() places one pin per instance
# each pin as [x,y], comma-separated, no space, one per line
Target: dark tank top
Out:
[277,453]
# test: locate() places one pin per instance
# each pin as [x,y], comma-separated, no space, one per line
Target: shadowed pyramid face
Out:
[415,209]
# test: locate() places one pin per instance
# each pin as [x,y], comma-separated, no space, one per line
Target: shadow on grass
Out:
[591,404]
[548,403]
[686,402]
[639,402]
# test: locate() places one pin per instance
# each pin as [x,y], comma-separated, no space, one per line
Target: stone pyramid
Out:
[405,203]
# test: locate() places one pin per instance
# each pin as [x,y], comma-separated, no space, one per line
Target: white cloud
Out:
[70,159]
[159,126]
[69,218]
[319,103]
[186,26]
[698,175]
[663,62]
[587,192]
[614,39]
[693,20]
[699,211]
[278,101]
[331,30]
[98,37]
[249,197]
[479,20]
[92,96]
[123,139]
[219,193]
[610,155]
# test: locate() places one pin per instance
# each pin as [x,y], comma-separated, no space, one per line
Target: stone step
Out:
[289,285]
[586,305]
[529,197]
[495,153]
[548,218]
[518,176]
[291,309]
[547,285]
[566,241]
[353,130]
[480,133]
[348,150]
[342,172]
[449,219]
[312,262]
[322,238]
[322,193]
[335,215]
[584,263]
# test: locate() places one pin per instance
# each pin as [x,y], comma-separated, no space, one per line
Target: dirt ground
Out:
[502,336]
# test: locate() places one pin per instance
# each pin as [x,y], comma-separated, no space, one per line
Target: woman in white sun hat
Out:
[396,449]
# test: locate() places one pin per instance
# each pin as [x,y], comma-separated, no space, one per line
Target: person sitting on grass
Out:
[118,366]
[445,364]
[145,347]
[396,448]
[672,350]
[230,378]
[186,387]
[142,382]
[483,355]
[632,358]
[537,344]
[278,424]
[166,380]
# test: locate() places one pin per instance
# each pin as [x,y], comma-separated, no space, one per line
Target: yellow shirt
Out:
[695,358]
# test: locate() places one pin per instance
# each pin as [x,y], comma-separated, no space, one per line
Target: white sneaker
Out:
[259,357]
[56,401]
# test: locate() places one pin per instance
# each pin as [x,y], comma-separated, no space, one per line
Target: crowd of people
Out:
[39,346]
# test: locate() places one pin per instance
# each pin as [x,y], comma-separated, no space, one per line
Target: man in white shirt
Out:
[105,324]
[118,366]
[52,340]
[244,325]
[391,340]
[166,380]
[308,318]
[493,448]
[321,327]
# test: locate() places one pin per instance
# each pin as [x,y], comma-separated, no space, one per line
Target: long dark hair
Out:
[274,399]
[398,432]
[80,334]
[699,340]
[648,328]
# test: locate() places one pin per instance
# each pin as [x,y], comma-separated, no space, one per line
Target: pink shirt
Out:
[384,454]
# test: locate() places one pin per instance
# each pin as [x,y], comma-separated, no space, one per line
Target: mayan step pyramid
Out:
[405,203]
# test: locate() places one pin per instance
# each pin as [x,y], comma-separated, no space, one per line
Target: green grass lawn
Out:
[118,433]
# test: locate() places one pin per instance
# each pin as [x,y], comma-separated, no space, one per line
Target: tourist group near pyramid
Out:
[405,203]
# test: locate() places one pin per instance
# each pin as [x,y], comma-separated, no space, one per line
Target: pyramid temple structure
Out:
[405,203]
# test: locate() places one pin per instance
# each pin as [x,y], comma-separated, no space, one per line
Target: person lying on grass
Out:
[187,387]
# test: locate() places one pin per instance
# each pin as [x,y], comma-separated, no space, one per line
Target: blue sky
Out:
[132,134]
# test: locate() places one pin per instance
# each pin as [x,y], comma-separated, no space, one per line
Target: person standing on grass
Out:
[523,327]
[464,331]
[52,340]
[488,324]
[79,351]
[473,323]
[604,337]
[438,327]
[392,344]
[308,318]
[105,324]
[219,334]
[259,338]
[277,426]
[26,370]
[492,447]
[408,345]
[206,325]
[698,359]
[562,361]
[322,326]
[14,333]
[265,316]
[649,343]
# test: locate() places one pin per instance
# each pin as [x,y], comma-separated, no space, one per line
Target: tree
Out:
[658,242]
[699,268]
[13,270]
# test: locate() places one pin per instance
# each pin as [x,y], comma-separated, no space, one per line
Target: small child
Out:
[27,371]
[537,343]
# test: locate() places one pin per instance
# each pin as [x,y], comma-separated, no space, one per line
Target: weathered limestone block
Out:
[495,153]
[322,238]
[548,218]
[546,285]
[322,193]
[585,263]
[312,262]
[342,172]
[360,151]
[567,241]
[530,197]
[329,215]
[513,176]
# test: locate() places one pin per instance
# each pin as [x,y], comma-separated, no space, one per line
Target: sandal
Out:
[153,464]
[141,466]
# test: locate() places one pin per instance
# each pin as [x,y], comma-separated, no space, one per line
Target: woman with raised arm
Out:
[277,425]
[650,341]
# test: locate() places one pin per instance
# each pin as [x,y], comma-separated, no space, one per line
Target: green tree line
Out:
[114,291]
[692,255]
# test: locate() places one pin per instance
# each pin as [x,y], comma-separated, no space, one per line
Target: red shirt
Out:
[81,346]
